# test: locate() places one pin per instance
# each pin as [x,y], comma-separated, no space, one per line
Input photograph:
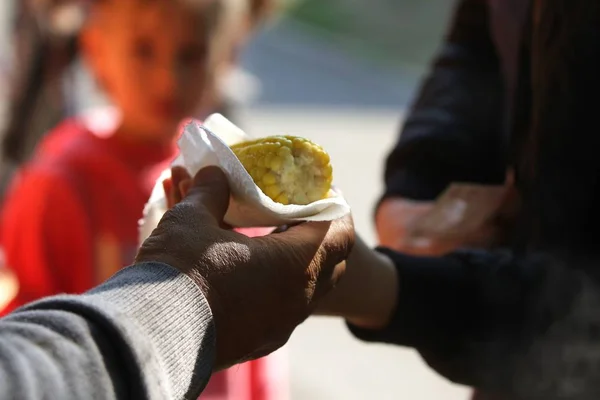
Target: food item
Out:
[288,169]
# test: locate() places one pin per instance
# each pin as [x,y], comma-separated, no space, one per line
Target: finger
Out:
[336,238]
[184,186]
[179,174]
[168,189]
[326,245]
[210,189]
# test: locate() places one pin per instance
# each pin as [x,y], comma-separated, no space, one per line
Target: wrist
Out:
[381,297]
[367,293]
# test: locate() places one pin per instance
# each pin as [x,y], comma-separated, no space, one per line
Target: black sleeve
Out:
[453,132]
[524,326]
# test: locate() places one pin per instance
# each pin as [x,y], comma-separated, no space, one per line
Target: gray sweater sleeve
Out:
[147,333]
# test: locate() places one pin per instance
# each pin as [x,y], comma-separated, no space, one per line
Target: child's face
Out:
[157,60]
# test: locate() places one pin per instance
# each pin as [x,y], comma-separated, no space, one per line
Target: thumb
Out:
[210,188]
[335,238]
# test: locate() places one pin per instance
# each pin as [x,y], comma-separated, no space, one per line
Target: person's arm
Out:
[129,338]
[454,129]
[46,236]
[369,308]
[482,319]
[198,300]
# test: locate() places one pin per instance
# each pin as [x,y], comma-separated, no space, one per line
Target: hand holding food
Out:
[264,175]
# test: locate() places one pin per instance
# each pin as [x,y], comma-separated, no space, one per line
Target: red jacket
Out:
[70,217]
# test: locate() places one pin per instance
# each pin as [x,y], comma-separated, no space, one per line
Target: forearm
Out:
[146,333]
[435,301]
[481,318]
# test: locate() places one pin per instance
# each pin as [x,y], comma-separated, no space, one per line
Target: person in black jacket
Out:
[515,87]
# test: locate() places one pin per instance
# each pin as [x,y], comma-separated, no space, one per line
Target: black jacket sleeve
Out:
[524,326]
[454,130]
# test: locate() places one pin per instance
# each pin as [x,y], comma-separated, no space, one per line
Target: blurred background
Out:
[340,72]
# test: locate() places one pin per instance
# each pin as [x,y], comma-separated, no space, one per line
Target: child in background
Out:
[43,75]
[78,201]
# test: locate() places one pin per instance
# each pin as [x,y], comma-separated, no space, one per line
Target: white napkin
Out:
[202,145]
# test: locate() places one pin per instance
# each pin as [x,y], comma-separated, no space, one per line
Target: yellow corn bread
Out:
[288,169]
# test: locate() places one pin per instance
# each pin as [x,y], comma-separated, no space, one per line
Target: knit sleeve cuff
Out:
[172,312]
[157,318]
[431,293]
